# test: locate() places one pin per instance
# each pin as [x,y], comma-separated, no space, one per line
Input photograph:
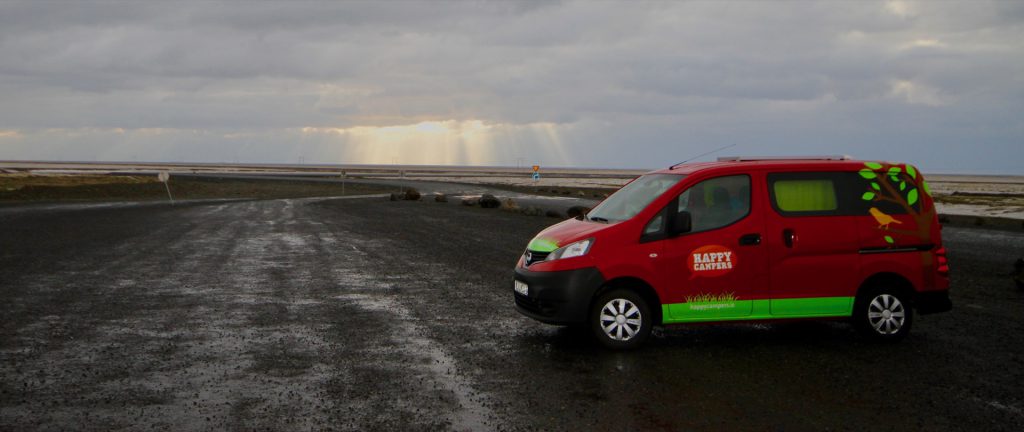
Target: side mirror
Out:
[680,223]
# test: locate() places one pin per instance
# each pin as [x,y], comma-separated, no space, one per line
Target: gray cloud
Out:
[574,83]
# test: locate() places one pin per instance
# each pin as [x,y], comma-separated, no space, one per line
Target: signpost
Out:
[536,172]
[165,177]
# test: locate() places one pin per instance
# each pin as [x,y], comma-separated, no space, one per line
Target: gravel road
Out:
[363,314]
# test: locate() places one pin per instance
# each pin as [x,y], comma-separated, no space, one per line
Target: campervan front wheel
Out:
[621,319]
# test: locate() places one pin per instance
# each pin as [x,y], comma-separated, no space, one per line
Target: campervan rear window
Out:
[830,193]
[814,195]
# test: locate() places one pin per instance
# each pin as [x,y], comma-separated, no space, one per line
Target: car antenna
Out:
[702,154]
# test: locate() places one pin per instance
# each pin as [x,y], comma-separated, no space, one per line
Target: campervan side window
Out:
[816,195]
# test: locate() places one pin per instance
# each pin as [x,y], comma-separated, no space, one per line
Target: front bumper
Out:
[558,297]
[930,302]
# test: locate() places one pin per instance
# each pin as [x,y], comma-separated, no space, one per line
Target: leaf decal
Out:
[912,171]
[873,165]
[927,190]
[894,170]
[903,186]
[866,173]
[868,196]
[912,196]
[889,240]
[875,186]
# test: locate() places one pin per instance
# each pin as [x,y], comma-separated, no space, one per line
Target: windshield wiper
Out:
[597,219]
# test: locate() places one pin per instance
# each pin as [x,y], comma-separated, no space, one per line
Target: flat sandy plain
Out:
[956,194]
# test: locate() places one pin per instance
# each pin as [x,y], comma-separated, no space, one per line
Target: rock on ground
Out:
[489,201]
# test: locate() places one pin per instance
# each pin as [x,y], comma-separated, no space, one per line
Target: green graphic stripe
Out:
[757,309]
[542,245]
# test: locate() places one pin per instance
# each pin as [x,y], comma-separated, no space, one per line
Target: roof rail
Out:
[780,158]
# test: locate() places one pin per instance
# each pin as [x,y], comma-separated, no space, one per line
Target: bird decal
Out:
[883,219]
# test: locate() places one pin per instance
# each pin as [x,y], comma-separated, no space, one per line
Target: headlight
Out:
[579,248]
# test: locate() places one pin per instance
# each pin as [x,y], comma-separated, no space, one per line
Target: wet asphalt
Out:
[364,314]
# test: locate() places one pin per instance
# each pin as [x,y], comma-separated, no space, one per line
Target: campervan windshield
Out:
[633,197]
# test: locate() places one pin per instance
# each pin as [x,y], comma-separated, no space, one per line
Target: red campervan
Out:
[744,239]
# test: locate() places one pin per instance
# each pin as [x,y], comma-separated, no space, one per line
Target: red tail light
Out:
[943,263]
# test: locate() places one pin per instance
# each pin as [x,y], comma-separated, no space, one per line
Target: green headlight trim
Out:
[764,309]
[542,245]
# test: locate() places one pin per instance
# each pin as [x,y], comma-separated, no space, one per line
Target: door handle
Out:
[752,239]
[788,237]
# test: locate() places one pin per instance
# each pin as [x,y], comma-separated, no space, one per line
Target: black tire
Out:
[872,320]
[628,327]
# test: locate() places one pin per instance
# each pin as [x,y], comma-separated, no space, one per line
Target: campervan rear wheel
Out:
[883,314]
[621,319]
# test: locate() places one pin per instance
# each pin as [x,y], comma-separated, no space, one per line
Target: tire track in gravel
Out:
[452,299]
[351,258]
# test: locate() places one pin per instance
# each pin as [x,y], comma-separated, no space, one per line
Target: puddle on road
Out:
[471,414]
[1007,408]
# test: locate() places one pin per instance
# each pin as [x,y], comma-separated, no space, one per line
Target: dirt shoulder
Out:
[17,188]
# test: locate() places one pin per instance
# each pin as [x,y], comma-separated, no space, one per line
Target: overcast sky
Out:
[588,84]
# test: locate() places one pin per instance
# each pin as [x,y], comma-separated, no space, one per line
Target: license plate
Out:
[522,288]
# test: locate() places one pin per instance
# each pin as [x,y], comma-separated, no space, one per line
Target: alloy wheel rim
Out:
[621,319]
[886,314]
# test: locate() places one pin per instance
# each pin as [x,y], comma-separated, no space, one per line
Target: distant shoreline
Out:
[74,167]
